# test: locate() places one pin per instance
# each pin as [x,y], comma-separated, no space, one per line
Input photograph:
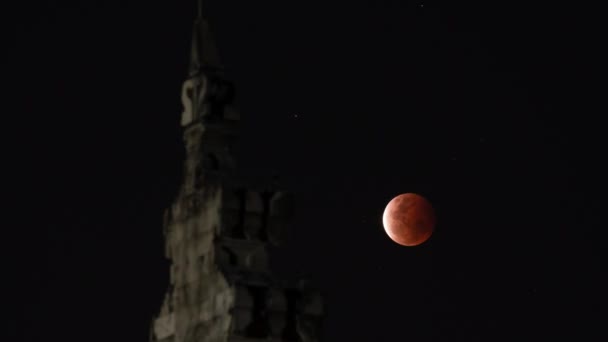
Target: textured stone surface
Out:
[218,229]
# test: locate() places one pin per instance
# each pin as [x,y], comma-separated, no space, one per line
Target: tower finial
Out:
[203,51]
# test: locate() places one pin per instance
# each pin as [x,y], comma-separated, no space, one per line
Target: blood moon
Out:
[409,219]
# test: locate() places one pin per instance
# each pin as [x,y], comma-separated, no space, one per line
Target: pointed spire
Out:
[203,52]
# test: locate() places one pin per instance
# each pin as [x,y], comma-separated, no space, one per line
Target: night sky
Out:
[491,112]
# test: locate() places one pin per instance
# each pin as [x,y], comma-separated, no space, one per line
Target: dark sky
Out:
[488,111]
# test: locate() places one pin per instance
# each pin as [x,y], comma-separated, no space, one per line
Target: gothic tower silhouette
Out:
[218,229]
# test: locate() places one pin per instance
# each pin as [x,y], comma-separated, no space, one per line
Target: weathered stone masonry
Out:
[218,230]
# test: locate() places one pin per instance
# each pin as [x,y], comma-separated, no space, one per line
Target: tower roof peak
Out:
[203,53]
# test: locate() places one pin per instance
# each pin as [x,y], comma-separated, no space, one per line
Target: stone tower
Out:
[218,230]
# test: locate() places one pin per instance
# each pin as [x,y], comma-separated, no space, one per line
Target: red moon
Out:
[409,219]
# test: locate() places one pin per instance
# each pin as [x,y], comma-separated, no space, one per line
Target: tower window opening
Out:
[211,162]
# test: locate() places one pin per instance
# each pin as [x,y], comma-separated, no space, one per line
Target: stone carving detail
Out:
[253,220]
[277,312]
[281,211]
[308,317]
[243,310]
[255,215]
